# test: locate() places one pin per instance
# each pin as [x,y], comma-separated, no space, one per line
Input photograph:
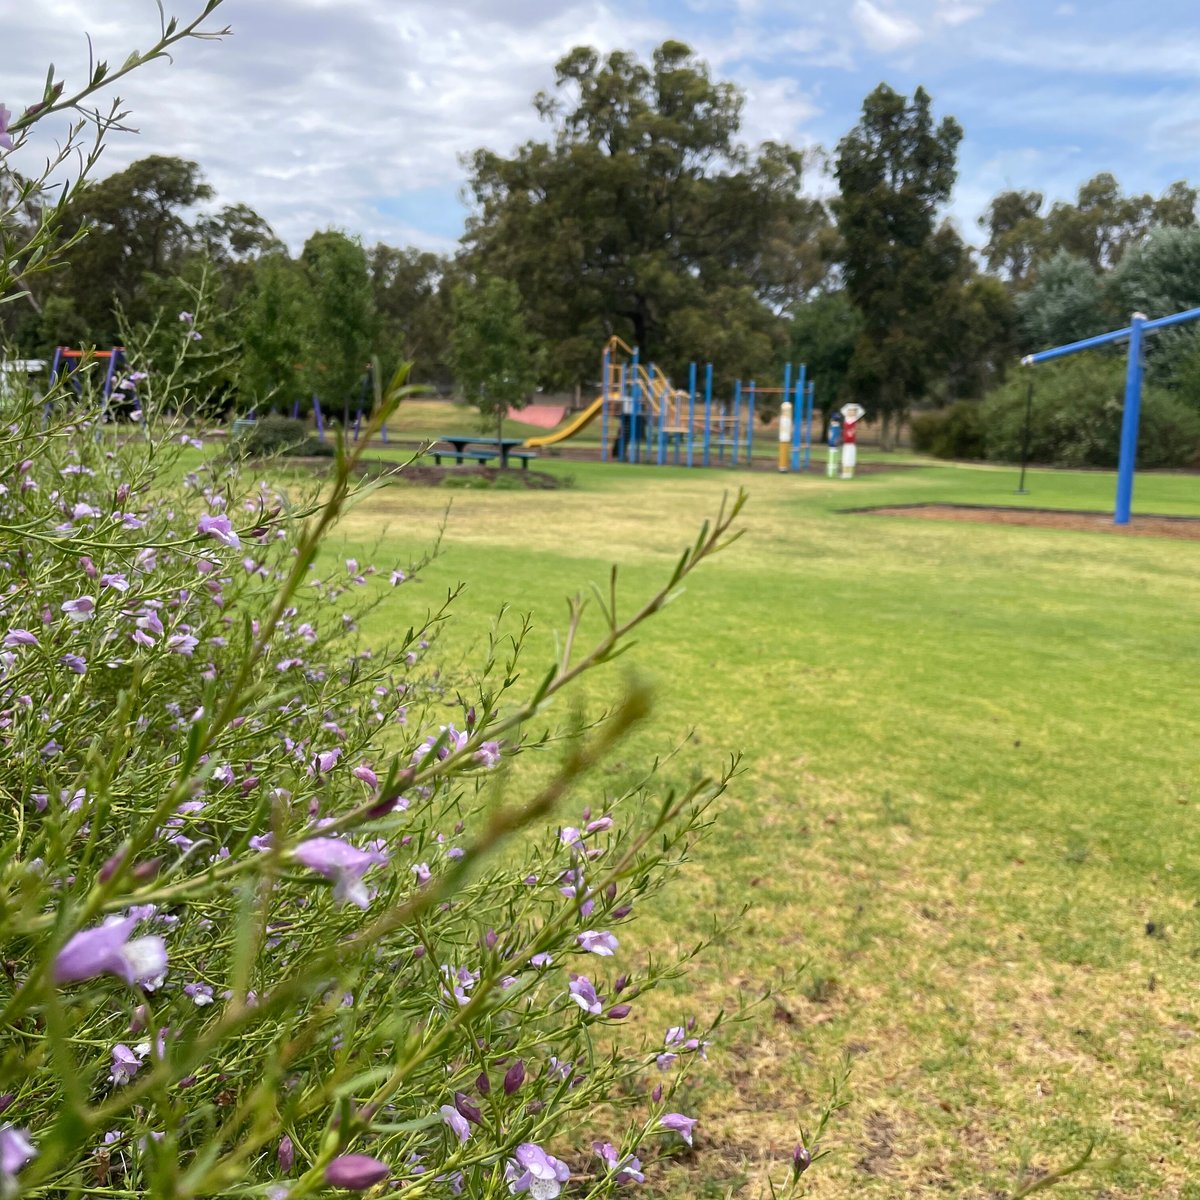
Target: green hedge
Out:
[278,435]
[1075,420]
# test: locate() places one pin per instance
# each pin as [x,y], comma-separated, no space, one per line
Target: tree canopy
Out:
[643,215]
[895,171]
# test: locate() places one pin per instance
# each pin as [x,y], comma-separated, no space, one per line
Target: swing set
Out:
[1134,333]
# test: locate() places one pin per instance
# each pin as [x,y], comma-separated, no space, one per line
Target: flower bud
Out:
[112,866]
[657,1094]
[619,1012]
[467,1109]
[801,1160]
[146,871]
[619,914]
[483,1085]
[514,1077]
[286,1154]
[356,1172]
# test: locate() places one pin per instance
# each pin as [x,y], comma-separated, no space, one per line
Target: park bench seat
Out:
[479,456]
[524,456]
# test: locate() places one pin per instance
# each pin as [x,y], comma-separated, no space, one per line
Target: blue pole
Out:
[737,422]
[798,423]
[631,449]
[808,416]
[691,433]
[750,429]
[605,388]
[708,415]
[320,419]
[295,410]
[108,375]
[1130,420]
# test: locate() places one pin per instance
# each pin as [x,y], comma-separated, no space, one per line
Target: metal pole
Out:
[320,419]
[631,446]
[604,402]
[750,429]
[737,422]
[1025,438]
[691,434]
[708,415]
[1130,420]
[797,414]
[808,416]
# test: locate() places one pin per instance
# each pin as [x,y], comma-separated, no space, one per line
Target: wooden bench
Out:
[479,456]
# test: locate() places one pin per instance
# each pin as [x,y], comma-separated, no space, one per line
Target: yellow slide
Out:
[584,419]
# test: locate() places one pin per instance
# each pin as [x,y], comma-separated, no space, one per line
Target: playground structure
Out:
[644,418]
[1134,333]
[66,363]
[365,391]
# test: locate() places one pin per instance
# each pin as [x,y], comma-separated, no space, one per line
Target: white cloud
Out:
[953,13]
[883,31]
[323,112]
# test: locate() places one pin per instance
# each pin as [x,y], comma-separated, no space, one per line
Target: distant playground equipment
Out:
[1134,333]
[66,363]
[645,419]
[365,391]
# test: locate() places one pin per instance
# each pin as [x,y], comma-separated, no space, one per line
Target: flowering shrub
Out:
[268,923]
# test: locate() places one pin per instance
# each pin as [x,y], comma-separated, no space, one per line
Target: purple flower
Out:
[678,1123]
[534,1171]
[74,662]
[221,528]
[584,994]
[15,1147]
[116,581]
[801,1160]
[6,142]
[182,643]
[541,960]
[125,1064]
[627,1170]
[456,1121]
[597,942]
[363,772]
[398,577]
[327,760]
[80,610]
[341,862]
[187,318]
[356,1172]
[286,1154]
[108,950]
[196,336]
[19,637]
[488,754]
[200,993]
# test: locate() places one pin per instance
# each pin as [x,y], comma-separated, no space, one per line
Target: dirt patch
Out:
[1151,525]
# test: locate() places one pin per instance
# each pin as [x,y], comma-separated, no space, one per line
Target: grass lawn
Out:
[969,810]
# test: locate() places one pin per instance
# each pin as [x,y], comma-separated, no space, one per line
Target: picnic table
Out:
[481,449]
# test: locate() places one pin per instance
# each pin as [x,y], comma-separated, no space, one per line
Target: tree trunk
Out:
[885,431]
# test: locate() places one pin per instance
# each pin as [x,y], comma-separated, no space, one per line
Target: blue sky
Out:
[354,113]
